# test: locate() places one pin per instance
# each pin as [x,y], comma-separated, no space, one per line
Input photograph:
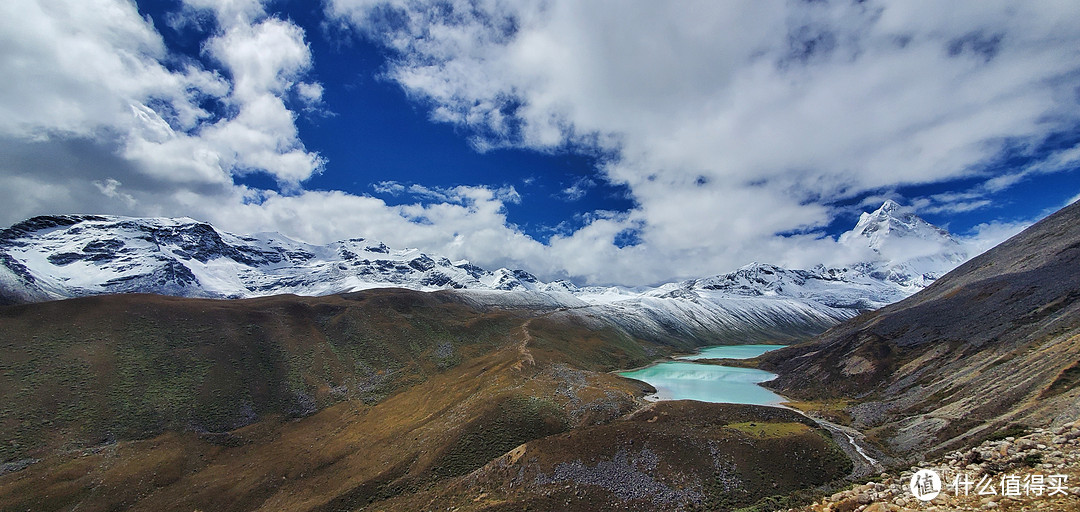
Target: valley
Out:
[385,399]
[489,399]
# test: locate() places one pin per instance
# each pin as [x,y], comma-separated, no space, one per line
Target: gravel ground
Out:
[1039,471]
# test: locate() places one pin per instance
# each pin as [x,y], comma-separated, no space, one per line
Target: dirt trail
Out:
[523,346]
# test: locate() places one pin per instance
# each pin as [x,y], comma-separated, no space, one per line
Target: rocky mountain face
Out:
[76,255]
[1025,455]
[64,256]
[906,249]
[993,343]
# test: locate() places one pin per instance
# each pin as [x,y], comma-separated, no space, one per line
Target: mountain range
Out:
[490,400]
[63,256]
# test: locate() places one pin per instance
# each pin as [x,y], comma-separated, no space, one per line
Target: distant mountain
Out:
[989,345]
[54,257]
[838,288]
[907,250]
[76,255]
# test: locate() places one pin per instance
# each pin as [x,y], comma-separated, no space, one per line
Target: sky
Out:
[602,141]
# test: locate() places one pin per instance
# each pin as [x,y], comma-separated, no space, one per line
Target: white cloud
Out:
[508,194]
[1068,158]
[578,189]
[230,12]
[388,187]
[263,58]
[310,93]
[728,123]
[735,122]
[110,188]
[986,235]
[73,68]
[462,195]
[97,70]
[473,223]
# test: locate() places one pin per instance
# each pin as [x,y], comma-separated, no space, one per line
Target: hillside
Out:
[993,343]
[367,400]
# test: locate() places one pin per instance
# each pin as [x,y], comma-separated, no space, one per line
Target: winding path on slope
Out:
[523,344]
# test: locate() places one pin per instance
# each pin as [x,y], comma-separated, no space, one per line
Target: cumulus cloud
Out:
[728,124]
[473,222]
[732,123]
[310,93]
[96,72]
[73,68]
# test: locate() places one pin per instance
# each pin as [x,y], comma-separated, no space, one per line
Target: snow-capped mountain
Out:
[836,288]
[64,256]
[54,257]
[902,253]
[906,249]
[74,255]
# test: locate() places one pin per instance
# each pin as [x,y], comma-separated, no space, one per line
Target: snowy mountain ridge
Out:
[53,257]
[907,250]
[74,255]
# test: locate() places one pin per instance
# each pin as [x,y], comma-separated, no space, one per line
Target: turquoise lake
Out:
[731,352]
[685,380]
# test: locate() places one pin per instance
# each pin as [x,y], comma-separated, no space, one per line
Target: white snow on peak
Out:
[906,249]
[67,256]
[54,257]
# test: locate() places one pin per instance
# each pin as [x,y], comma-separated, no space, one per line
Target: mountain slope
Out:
[907,250]
[54,257]
[383,399]
[75,255]
[996,341]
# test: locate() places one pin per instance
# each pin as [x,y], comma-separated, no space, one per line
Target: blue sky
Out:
[604,142]
[370,132]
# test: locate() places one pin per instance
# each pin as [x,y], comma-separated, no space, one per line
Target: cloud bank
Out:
[728,123]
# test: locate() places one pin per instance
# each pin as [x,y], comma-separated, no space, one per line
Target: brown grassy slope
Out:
[376,399]
[995,341]
[85,371]
[682,455]
[396,389]
[342,457]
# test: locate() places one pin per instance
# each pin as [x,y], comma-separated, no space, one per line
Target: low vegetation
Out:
[385,399]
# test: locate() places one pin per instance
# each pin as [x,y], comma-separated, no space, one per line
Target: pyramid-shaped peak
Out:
[893,210]
[895,220]
[890,206]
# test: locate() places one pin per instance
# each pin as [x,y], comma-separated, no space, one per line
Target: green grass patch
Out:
[1013,430]
[770,429]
